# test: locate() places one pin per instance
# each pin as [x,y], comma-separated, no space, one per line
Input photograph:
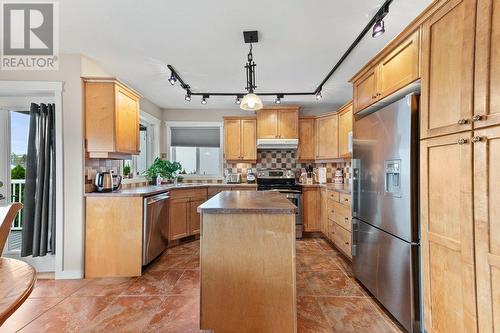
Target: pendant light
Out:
[251,102]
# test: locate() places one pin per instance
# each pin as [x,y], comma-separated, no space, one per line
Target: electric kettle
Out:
[104,182]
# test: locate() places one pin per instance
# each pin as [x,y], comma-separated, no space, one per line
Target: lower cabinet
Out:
[184,219]
[311,198]
[336,217]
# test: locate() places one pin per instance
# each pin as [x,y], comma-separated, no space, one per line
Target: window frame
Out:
[168,139]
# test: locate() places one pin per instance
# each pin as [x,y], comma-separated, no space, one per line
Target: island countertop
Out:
[248,202]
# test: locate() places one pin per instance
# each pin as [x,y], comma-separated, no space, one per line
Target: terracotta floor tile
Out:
[310,318]
[307,246]
[74,314]
[317,262]
[27,312]
[105,287]
[324,245]
[328,283]
[353,315]
[344,264]
[57,288]
[188,284]
[171,261]
[177,314]
[182,249]
[193,263]
[154,283]
[126,314]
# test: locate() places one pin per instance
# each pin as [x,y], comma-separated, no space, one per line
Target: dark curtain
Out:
[38,235]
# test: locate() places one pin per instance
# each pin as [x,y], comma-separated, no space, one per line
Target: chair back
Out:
[8,213]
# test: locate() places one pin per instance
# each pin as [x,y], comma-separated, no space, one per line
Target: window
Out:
[197,149]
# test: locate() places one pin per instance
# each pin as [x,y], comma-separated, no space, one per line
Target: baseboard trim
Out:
[69,274]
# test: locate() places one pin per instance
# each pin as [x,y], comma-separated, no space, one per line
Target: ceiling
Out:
[300,41]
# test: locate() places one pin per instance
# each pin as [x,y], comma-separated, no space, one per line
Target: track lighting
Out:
[188,97]
[378,29]
[318,95]
[204,99]
[278,99]
[238,100]
[172,78]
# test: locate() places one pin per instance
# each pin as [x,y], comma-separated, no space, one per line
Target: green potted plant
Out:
[126,171]
[166,169]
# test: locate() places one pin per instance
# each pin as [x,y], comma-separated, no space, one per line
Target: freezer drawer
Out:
[388,267]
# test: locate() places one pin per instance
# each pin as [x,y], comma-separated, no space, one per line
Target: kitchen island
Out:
[247,263]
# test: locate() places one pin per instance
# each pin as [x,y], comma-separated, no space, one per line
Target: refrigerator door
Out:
[383,263]
[384,168]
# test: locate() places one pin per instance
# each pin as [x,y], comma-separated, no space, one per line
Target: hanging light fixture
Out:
[251,102]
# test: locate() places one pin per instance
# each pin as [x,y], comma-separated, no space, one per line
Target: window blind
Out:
[195,137]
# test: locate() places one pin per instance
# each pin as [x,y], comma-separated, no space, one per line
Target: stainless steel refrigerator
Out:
[385,201]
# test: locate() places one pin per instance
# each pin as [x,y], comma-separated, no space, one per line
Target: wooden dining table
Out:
[17,279]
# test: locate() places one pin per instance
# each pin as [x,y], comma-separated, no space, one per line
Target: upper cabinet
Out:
[306,149]
[448,69]
[345,130]
[487,62]
[240,142]
[111,119]
[327,139]
[278,123]
[394,71]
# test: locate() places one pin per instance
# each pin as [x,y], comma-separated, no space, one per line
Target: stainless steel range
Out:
[283,181]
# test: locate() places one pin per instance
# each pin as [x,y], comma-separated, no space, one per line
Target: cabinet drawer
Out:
[340,214]
[333,195]
[345,199]
[342,239]
[188,193]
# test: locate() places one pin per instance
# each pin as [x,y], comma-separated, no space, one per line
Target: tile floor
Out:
[166,298]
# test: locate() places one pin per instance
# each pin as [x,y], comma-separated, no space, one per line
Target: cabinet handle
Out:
[346,218]
[379,94]
[476,139]
[462,141]
[477,117]
[346,243]
[345,199]
[374,96]
[462,121]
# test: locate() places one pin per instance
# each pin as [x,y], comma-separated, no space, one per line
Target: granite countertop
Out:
[145,191]
[248,202]
[343,188]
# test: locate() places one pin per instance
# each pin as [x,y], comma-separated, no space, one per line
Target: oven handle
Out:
[283,191]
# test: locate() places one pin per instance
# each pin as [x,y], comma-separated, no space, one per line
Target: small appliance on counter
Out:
[322,175]
[250,176]
[310,175]
[107,182]
[339,176]
[233,178]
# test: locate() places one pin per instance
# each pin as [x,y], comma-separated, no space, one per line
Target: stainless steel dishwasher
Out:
[155,226]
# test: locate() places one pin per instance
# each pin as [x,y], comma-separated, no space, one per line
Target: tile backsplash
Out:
[285,159]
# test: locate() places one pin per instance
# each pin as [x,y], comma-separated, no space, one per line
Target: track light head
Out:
[278,99]
[238,100]
[378,29]
[172,78]
[204,99]
[318,95]
[188,97]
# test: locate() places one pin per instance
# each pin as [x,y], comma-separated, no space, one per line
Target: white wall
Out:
[69,74]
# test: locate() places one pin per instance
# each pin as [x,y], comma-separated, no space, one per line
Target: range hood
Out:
[277,143]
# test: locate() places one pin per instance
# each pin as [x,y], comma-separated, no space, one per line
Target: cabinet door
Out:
[194,216]
[232,139]
[365,90]
[126,122]
[487,226]
[288,124]
[311,201]
[345,127]
[267,124]
[447,234]
[327,137]
[447,69]
[400,67]
[487,73]
[324,212]
[305,151]
[249,139]
[179,218]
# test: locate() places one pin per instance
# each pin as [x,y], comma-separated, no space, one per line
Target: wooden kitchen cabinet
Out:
[345,129]
[306,149]
[448,69]
[327,139]
[311,198]
[324,211]
[447,233]
[487,65]
[278,123]
[487,226]
[240,141]
[184,220]
[111,119]
[397,69]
